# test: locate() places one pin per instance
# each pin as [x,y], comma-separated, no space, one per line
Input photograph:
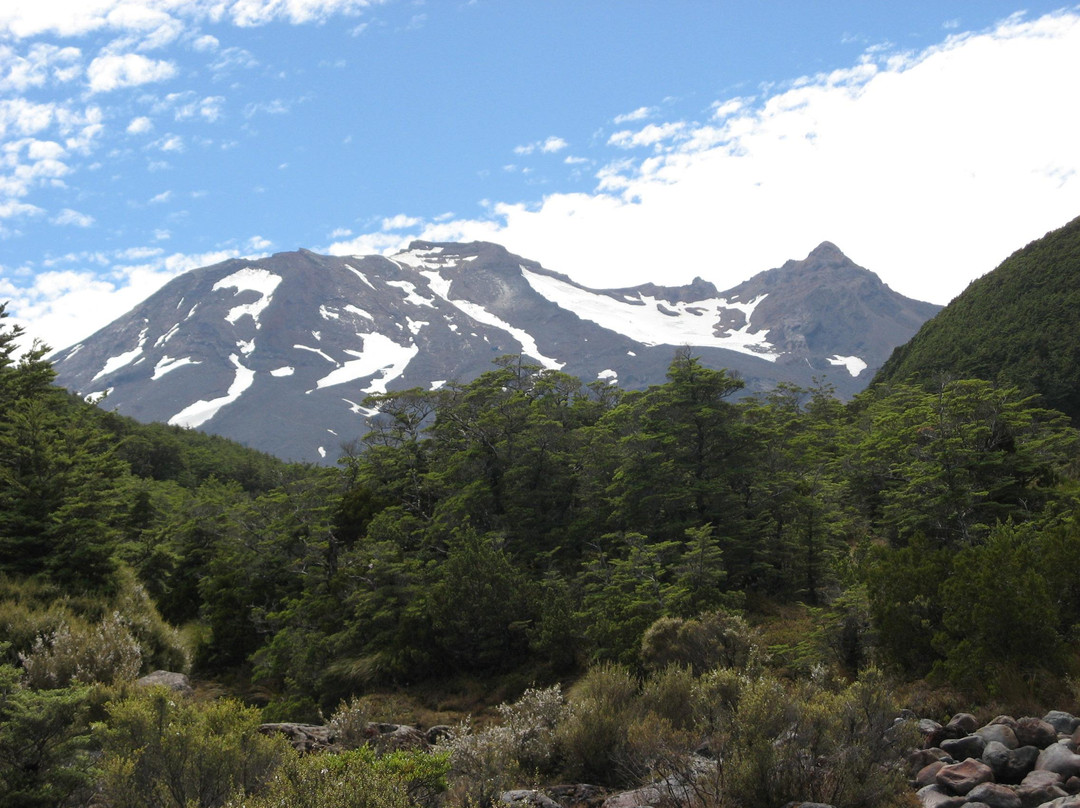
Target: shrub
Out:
[593,736]
[521,746]
[164,751]
[354,779]
[78,652]
[714,639]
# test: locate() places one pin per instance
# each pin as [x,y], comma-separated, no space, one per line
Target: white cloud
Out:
[72,217]
[909,162]
[164,196]
[651,135]
[639,114]
[340,232]
[40,64]
[113,71]
[139,126]
[399,222]
[549,145]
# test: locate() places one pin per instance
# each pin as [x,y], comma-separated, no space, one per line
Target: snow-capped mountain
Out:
[280,352]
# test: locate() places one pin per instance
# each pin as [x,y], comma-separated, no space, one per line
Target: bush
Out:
[355,779]
[78,652]
[522,746]
[593,736]
[164,751]
[711,640]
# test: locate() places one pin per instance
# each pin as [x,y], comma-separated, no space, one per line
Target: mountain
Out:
[280,352]
[1019,324]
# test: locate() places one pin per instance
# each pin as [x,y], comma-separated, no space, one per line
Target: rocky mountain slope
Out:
[1019,324]
[280,352]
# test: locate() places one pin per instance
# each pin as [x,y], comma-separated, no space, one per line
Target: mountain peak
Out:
[826,250]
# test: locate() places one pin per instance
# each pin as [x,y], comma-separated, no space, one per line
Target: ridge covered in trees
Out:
[1016,326]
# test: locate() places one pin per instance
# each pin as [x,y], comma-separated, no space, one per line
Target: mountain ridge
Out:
[280,352]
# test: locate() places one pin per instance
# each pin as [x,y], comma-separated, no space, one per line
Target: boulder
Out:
[960,778]
[1060,759]
[994,795]
[1072,785]
[970,746]
[436,733]
[1039,787]
[1009,765]
[527,798]
[577,795]
[302,737]
[177,682]
[960,725]
[936,797]
[1068,801]
[924,757]
[1007,720]
[1002,733]
[928,774]
[1035,732]
[1065,723]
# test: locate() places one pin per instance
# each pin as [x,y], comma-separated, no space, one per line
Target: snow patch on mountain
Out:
[380,354]
[120,360]
[651,321]
[254,280]
[441,287]
[281,372]
[854,364]
[166,365]
[200,412]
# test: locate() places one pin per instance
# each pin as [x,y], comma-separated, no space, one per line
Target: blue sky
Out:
[617,141]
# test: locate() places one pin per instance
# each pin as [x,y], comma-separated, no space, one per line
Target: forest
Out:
[625,573]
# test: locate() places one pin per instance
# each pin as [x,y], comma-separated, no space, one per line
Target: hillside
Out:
[1019,325]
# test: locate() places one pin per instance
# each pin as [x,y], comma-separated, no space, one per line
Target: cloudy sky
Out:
[617,141]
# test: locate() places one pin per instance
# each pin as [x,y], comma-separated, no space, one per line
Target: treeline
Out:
[525,522]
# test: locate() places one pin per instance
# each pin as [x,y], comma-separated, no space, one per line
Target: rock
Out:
[1060,759]
[1002,733]
[921,758]
[994,795]
[1039,787]
[397,738]
[932,732]
[960,778]
[438,732]
[1009,765]
[302,737]
[1035,732]
[1072,785]
[970,746]
[936,797]
[1007,720]
[927,775]
[578,795]
[527,798]
[177,682]
[1065,723]
[1068,801]
[960,725]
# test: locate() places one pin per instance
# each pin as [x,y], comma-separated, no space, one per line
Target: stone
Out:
[1007,720]
[578,795]
[176,682]
[961,724]
[970,746]
[928,774]
[1065,723]
[1002,733]
[1039,787]
[437,732]
[1060,759]
[1035,732]
[960,778]
[303,738]
[1072,785]
[994,795]
[527,798]
[1068,801]
[921,758]
[936,797]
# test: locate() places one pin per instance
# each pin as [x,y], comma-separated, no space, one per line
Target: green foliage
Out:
[160,750]
[1016,325]
[355,779]
[45,758]
[711,640]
